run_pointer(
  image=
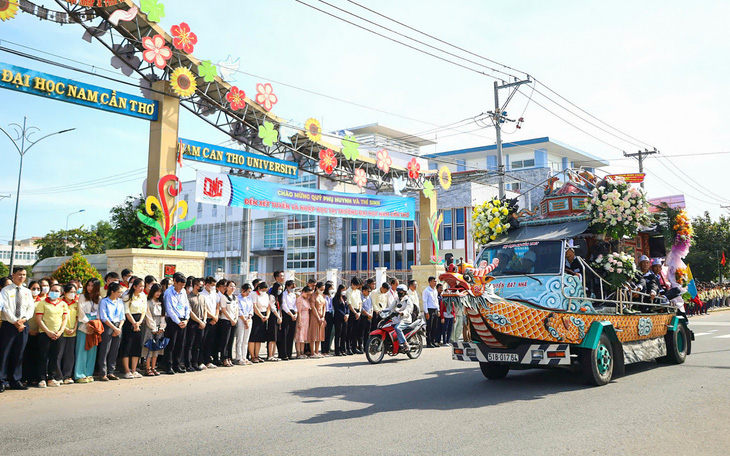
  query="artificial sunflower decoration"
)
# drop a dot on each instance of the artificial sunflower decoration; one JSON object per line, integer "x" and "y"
{"x": 313, "y": 129}
{"x": 445, "y": 177}
{"x": 8, "y": 9}
{"x": 183, "y": 82}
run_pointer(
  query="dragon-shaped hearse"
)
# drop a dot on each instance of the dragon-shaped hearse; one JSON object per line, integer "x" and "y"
{"x": 527, "y": 310}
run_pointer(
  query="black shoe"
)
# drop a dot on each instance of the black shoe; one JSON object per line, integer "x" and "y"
{"x": 197, "y": 368}
{"x": 169, "y": 372}
{"x": 358, "y": 351}
{"x": 349, "y": 353}
{"x": 18, "y": 386}
{"x": 190, "y": 369}
{"x": 2, "y": 387}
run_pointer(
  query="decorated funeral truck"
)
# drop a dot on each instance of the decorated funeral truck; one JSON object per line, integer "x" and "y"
{"x": 559, "y": 286}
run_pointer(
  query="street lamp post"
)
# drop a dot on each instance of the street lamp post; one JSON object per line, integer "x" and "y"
{"x": 23, "y": 135}
{"x": 65, "y": 245}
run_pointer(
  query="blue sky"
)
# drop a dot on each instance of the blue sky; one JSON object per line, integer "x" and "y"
{"x": 655, "y": 69}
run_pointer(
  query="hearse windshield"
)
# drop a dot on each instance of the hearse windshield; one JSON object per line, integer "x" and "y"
{"x": 543, "y": 257}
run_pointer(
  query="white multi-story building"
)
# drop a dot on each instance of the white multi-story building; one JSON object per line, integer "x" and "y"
{"x": 26, "y": 252}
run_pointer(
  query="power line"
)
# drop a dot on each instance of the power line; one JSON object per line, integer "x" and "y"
{"x": 696, "y": 182}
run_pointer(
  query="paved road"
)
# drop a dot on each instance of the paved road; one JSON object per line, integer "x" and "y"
{"x": 428, "y": 406}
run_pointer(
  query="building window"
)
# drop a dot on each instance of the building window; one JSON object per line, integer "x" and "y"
{"x": 386, "y": 259}
{"x": 301, "y": 241}
{"x": 200, "y": 209}
{"x": 398, "y": 260}
{"x": 386, "y": 232}
{"x": 433, "y": 165}
{"x": 459, "y": 224}
{"x": 460, "y": 165}
{"x": 409, "y": 231}
{"x": 523, "y": 163}
{"x": 410, "y": 259}
{"x": 514, "y": 186}
{"x": 214, "y": 212}
{"x": 398, "y": 232}
{"x": 376, "y": 260}
{"x": 353, "y": 261}
{"x": 376, "y": 237}
{"x": 273, "y": 234}
{"x": 363, "y": 261}
{"x": 447, "y": 227}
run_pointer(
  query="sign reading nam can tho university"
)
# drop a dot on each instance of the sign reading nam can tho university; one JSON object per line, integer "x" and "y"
{"x": 62, "y": 89}
{"x": 232, "y": 158}
{"x": 228, "y": 190}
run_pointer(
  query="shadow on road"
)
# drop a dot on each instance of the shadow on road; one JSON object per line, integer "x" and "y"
{"x": 442, "y": 390}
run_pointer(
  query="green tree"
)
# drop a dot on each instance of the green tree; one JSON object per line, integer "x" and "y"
{"x": 76, "y": 267}
{"x": 4, "y": 270}
{"x": 710, "y": 240}
{"x": 129, "y": 232}
{"x": 67, "y": 242}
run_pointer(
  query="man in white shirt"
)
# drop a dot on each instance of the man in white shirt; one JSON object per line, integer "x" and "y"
{"x": 353, "y": 299}
{"x": 404, "y": 318}
{"x": 430, "y": 311}
{"x": 211, "y": 329}
{"x": 288, "y": 325}
{"x": 18, "y": 306}
{"x": 413, "y": 294}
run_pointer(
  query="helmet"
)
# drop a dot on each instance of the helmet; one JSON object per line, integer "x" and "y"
{"x": 402, "y": 288}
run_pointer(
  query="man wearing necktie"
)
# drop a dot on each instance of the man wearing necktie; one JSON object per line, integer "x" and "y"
{"x": 18, "y": 307}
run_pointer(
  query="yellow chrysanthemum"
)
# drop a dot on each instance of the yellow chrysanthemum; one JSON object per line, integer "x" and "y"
{"x": 8, "y": 9}
{"x": 182, "y": 82}
{"x": 445, "y": 177}
{"x": 313, "y": 129}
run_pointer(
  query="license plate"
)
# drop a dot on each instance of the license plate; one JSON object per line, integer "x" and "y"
{"x": 503, "y": 357}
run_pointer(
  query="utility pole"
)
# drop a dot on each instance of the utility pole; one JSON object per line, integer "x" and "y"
{"x": 499, "y": 116}
{"x": 640, "y": 156}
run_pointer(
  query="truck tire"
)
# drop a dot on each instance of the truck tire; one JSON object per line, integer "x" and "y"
{"x": 597, "y": 364}
{"x": 677, "y": 345}
{"x": 494, "y": 371}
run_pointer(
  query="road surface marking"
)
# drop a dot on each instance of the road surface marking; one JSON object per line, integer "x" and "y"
{"x": 726, "y": 336}
{"x": 709, "y": 323}
{"x": 701, "y": 334}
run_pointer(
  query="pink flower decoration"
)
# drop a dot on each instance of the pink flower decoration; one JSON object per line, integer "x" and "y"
{"x": 327, "y": 160}
{"x": 237, "y": 98}
{"x": 266, "y": 97}
{"x": 156, "y": 240}
{"x": 413, "y": 168}
{"x": 360, "y": 178}
{"x": 156, "y": 51}
{"x": 175, "y": 241}
{"x": 384, "y": 160}
{"x": 183, "y": 38}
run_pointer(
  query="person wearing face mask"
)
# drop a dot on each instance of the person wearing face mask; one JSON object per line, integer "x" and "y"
{"x": 68, "y": 346}
{"x": 329, "y": 317}
{"x": 135, "y": 308}
{"x": 88, "y": 307}
{"x": 51, "y": 314}
{"x": 288, "y": 321}
{"x": 30, "y": 359}
{"x": 111, "y": 314}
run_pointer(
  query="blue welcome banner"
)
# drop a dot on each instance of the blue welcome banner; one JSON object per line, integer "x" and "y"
{"x": 62, "y": 89}
{"x": 232, "y": 158}
{"x": 237, "y": 191}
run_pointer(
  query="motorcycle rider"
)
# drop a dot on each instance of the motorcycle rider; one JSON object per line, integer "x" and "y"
{"x": 403, "y": 307}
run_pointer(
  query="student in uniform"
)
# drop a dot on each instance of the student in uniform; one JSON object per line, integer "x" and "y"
{"x": 30, "y": 359}
{"x": 68, "y": 350}
{"x": 273, "y": 323}
{"x": 367, "y": 315}
{"x": 211, "y": 322}
{"x": 154, "y": 328}
{"x": 228, "y": 310}
{"x": 301, "y": 336}
{"x": 177, "y": 313}
{"x": 317, "y": 305}
{"x": 18, "y": 307}
{"x": 111, "y": 314}
{"x": 135, "y": 309}
{"x": 196, "y": 328}
{"x": 329, "y": 318}
{"x": 353, "y": 297}
{"x": 51, "y": 314}
{"x": 243, "y": 326}
{"x": 289, "y": 317}
{"x": 109, "y": 278}
{"x": 88, "y": 308}
{"x": 261, "y": 314}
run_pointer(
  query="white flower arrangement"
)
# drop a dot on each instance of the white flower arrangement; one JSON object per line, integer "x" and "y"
{"x": 490, "y": 219}
{"x": 617, "y": 209}
{"x": 617, "y": 267}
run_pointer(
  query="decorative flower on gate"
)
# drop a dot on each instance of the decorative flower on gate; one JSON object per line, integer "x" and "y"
{"x": 445, "y": 177}
{"x": 327, "y": 160}
{"x": 156, "y": 51}
{"x": 166, "y": 227}
{"x": 268, "y": 134}
{"x": 154, "y": 9}
{"x": 8, "y": 9}
{"x": 350, "y": 148}
{"x": 360, "y": 178}
{"x": 384, "y": 161}
{"x": 413, "y": 168}
{"x": 207, "y": 71}
{"x": 265, "y": 96}
{"x": 428, "y": 189}
{"x": 183, "y": 38}
{"x": 313, "y": 130}
{"x": 237, "y": 98}
{"x": 183, "y": 82}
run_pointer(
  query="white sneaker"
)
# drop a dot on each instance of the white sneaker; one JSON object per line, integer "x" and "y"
{"x": 211, "y": 366}
{"x": 42, "y": 384}
{"x": 202, "y": 366}
{"x": 128, "y": 376}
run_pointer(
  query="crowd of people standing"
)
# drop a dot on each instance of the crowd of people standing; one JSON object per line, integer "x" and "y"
{"x": 128, "y": 327}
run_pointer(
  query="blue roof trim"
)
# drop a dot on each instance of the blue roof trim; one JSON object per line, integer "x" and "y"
{"x": 526, "y": 142}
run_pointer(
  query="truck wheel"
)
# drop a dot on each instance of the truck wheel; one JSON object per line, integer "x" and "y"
{"x": 677, "y": 345}
{"x": 494, "y": 371}
{"x": 597, "y": 364}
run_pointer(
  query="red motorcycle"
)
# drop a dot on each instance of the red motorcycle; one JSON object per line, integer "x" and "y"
{"x": 385, "y": 340}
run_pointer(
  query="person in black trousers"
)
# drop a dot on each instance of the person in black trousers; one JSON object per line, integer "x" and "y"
{"x": 195, "y": 329}
{"x": 353, "y": 299}
{"x": 19, "y": 308}
{"x": 210, "y": 296}
{"x": 285, "y": 340}
{"x": 342, "y": 313}
{"x": 329, "y": 318}
{"x": 177, "y": 313}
